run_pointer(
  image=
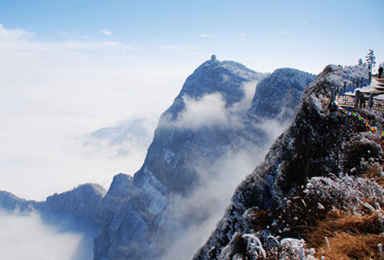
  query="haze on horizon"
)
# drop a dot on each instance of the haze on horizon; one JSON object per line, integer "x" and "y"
{"x": 71, "y": 68}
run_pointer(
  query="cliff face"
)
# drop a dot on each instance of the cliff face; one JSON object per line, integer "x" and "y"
{"x": 139, "y": 219}
{"x": 206, "y": 121}
{"x": 305, "y": 174}
{"x": 278, "y": 95}
{"x": 276, "y": 99}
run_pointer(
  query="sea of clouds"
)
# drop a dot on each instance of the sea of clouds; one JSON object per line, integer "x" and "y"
{"x": 74, "y": 112}
{"x": 71, "y": 112}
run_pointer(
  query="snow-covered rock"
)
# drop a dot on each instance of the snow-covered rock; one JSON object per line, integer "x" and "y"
{"x": 10, "y": 202}
{"x": 278, "y": 95}
{"x": 80, "y": 202}
{"x": 304, "y": 175}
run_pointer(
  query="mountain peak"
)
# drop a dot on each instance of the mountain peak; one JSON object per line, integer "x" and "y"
{"x": 283, "y": 89}
{"x": 226, "y": 78}
{"x": 201, "y": 130}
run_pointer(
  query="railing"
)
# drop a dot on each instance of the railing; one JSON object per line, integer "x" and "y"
{"x": 349, "y": 101}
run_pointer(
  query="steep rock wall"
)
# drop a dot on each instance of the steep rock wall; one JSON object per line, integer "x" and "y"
{"x": 319, "y": 142}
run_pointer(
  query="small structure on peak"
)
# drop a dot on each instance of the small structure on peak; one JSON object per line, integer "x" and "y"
{"x": 213, "y": 57}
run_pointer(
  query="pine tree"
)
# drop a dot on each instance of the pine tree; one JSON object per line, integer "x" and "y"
{"x": 360, "y": 62}
{"x": 370, "y": 58}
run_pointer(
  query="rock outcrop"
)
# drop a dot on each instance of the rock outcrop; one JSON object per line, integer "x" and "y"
{"x": 81, "y": 202}
{"x": 313, "y": 167}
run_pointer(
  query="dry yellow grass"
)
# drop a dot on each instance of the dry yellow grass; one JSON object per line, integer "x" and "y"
{"x": 350, "y": 236}
{"x": 375, "y": 175}
{"x": 347, "y": 246}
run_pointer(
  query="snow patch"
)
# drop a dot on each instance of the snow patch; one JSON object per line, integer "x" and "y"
{"x": 168, "y": 155}
{"x": 158, "y": 203}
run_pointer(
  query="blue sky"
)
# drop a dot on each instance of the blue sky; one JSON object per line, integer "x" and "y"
{"x": 70, "y": 68}
{"x": 263, "y": 35}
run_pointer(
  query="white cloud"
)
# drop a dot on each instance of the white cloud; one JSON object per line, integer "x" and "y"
{"x": 245, "y": 34}
{"x": 287, "y": 33}
{"x": 106, "y": 32}
{"x": 13, "y": 34}
{"x": 206, "y": 35}
{"x": 125, "y": 139}
{"x": 25, "y": 236}
{"x": 208, "y": 111}
{"x": 304, "y": 22}
{"x": 111, "y": 43}
{"x": 52, "y": 94}
{"x": 210, "y": 199}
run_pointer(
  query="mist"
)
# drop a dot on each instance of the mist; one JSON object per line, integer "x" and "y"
{"x": 206, "y": 206}
{"x": 55, "y": 95}
{"x": 44, "y": 236}
{"x": 76, "y": 112}
{"x": 211, "y": 199}
{"x": 210, "y": 110}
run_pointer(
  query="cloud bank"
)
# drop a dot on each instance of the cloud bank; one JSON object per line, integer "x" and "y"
{"x": 25, "y": 236}
{"x": 218, "y": 181}
{"x": 54, "y": 95}
{"x": 211, "y": 199}
{"x": 210, "y": 110}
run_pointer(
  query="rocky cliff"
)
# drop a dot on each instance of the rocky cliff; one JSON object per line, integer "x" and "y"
{"x": 80, "y": 202}
{"x": 142, "y": 218}
{"x": 316, "y": 170}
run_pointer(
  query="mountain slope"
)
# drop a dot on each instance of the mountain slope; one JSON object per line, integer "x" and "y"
{"x": 196, "y": 132}
{"x": 291, "y": 189}
{"x": 276, "y": 98}
{"x": 278, "y": 95}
